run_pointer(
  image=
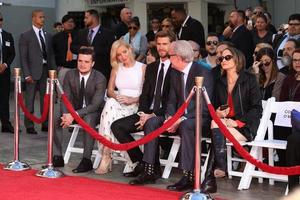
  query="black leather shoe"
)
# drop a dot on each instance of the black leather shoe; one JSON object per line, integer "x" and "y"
{"x": 31, "y": 131}
{"x": 183, "y": 184}
{"x": 85, "y": 165}
{"x": 144, "y": 178}
{"x": 7, "y": 128}
{"x": 44, "y": 129}
{"x": 58, "y": 161}
{"x": 209, "y": 185}
{"x": 137, "y": 170}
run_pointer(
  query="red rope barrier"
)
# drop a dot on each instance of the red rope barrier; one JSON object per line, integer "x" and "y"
{"x": 246, "y": 155}
{"x": 125, "y": 146}
{"x": 29, "y": 115}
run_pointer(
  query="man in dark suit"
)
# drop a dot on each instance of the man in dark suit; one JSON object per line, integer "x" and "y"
{"x": 122, "y": 28}
{"x": 7, "y": 55}
{"x": 182, "y": 81}
{"x": 85, "y": 88}
{"x": 36, "y": 56}
{"x": 98, "y": 37}
{"x": 187, "y": 28}
{"x": 64, "y": 58}
{"x": 241, "y": 36}
{"x": 152, "y": 103}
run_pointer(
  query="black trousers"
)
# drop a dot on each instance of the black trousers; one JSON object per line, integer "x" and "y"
{"x": 4, "y": 100}
{"x": 293, "y": 157}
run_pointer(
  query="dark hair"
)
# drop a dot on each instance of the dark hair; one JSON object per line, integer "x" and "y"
{"x": 56, "y": 24}
{"x": 171, "y": 35}
{"x": 179, "y": 10}
{"x": 136, "y": 21}
{"x": 212, "y": 34}
{"x": 154, "y": 52}
{"x": 295, "y": 16}
{"x": 238, "y": 58}
{"x": 87, "y": 51}
{"x": 94, "y": 13}
{"x": 227, "y": 43}
{"x": 266, "y": 51}
{"x": 296, "y": 42}
{"x": 65, "y": 18}
{"x": 241, "y": 14}
{"x": 263, "y": 17}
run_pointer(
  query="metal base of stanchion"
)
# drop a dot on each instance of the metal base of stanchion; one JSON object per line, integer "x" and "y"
{"x": 17, "y": 166}
{"x": 50, "y": 172}
{"x": 196, "y": 195}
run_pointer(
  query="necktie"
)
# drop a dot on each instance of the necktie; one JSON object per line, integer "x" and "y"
{"x": 43, "y": 45}
{"x": 81, "y": 92}
{"x": 1, "y": 61}
{"x": 90, "y": 37}
{"x": 69, "y": 53}
{"x": 157, "y": 97}
{"x": 182, "y": 86}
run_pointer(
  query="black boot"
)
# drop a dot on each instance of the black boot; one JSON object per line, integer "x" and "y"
{"x": 149, "y": 175}
{"x": 219, "y": 149}
{"x": 185, "y": 183}
{"x": 209, "y": 184}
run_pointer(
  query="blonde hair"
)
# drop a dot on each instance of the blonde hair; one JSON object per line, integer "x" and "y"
{"x": 113, "y": 52}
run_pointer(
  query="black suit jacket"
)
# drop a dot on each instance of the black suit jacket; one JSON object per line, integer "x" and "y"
{"x": 147, "y": 96}
{"x": 242, "y": 39}
{"x": 8, "y": 50}
{"x": 175, "y": 99}
{"x": 102, "y": 44}
{"x": 193, "y": 30}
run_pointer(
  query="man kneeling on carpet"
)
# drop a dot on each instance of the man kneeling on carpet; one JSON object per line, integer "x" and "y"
{"x": 85, "y": 88}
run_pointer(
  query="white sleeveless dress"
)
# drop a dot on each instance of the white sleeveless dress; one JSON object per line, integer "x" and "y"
{"x": 129, "y": 82}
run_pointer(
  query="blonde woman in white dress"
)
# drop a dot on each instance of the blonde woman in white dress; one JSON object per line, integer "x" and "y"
{"x": 124, "y": 89}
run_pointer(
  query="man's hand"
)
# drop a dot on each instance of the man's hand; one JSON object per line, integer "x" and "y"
{"x": 29, "y": 79}
{"x": 174, "y": 127}
{"x": 2, "y": 68}
{"x": 122, "y": 99}
{"x": 143, "y": 119}
{"x": 66, "y": 120}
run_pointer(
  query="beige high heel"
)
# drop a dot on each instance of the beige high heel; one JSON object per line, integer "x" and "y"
{"x": 106, "y": 162}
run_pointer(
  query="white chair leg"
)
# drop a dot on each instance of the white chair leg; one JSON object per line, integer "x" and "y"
{"x": 71, "y": 144}
{"x": 229, "y": 161}
{"x": 204, "y": 167}
{"x": 171, "y": 158}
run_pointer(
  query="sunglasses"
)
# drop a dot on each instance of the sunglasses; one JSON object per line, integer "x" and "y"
{"x": 212, "y": 43}
{"x": 227, "y": 58}
{"x": 133, "y": 28}
{"x": 255, "y": 53}
{"x": 265, "y": 64}
{"x": 257, "y": 12}
{"x": 165, "y": 26}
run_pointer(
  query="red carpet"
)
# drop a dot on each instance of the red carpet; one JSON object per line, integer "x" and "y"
{"x": 26, "y": 186}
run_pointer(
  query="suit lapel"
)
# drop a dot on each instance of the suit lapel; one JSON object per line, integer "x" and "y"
{"x": 190, "y": 79}
{"x": 97, "y": 36}
{"x": 167, "y": 79}
{"x": 77, "y": 82}
{"x": 155, "y": 72}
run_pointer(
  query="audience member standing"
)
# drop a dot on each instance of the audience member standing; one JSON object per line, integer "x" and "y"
{"x": 155, "y": 26}
{"x": 36, "y": 56}
{"x": 260, "y": 33}
{"x": 98, "y": 37}
{"x": 212, "y": 41}
{"x": 187, "y": 28}
{"x": 64, "y": 58}
{"x": 280, "y": 39}
{"x": 241, "y": 36}
{"x": 122, "y": 27}
{"x": 7, "y": 55}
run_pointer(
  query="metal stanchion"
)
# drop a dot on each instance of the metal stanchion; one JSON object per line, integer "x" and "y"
{"x": 196, "y": 193}
{"x": 17, "y": 165}
{"x": 50, "y": 171}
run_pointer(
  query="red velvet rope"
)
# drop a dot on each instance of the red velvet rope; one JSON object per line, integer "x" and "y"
{"x": 29, "y": 115}
{"x": 125, "y": 146}
{"x": 246, "y": 155}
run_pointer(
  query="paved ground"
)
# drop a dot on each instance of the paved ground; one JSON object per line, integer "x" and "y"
{"x": 33, "y": 150}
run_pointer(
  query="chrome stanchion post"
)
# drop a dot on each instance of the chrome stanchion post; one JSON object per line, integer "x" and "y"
{"x": 17, "y": 165}
{"x": 50, "y": 171}
{"x": 196, "y": 193}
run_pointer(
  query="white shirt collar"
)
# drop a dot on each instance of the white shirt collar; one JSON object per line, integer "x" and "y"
{"x": 236, "y": 28}
{"x": 86, "y": 77}
{"x": 183, "y": 24}
{"x": 166, "y": 63}
{"x": 36, "y": 29}
{"x": 186, "y": 70}
{"x": 96, "y": 28}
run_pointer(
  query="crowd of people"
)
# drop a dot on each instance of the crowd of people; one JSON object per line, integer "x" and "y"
{"x": 127, "y": 82}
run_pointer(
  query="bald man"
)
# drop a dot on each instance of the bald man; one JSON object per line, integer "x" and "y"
{"x": 122, "y": 27}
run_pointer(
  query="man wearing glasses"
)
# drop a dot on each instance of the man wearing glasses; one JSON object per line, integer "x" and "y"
{"x": 292, "y": 33}
{"x": 7, "y": 55}
{"x": 212, "y": 41}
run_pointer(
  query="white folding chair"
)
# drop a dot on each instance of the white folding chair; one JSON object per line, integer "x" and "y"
{"x": 259, "y": 143}
{"x": 72, "y": 149}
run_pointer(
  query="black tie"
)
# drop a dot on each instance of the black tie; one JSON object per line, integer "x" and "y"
{"x": 157, "y": 98}
{"x": 90, "y": 37}
{"x": 43, "y": 45}
{"x": 82, "y": 92}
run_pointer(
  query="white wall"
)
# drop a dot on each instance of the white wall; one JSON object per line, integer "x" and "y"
{"x": 32, "y": 3}
{"x": 63, "y": 6}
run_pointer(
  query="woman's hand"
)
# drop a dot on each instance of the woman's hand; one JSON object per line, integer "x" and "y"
{"x": 255, "y": 67}
{"x": 126, "y": 100}
{"x": 230, "y": 123}
{"x": 222, "y": 113}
